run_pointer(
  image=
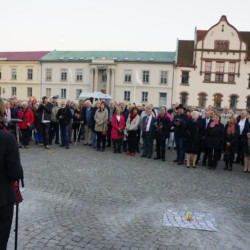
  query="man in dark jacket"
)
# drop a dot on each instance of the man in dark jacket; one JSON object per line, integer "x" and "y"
{"x": 163, "y": 125}
{"x": 10, "y": 170}
{"x": 148, "y": 132}
{"x": 64, "y": 116}
{"x": 45, "y": 110}
{"x": 111, "y": 111}
{"x": 180, "y": 122}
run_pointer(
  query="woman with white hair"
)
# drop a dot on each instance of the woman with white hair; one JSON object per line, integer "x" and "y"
{"x": 194, "y": 133}
{"x": 27, "y": 116}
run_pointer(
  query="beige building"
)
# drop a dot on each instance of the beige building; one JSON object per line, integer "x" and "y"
{"x": 118, "y": 73}
{"x": 20, "y": 74}
{"x": 214, "y": 68}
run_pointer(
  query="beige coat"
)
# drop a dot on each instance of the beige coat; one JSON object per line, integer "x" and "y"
{"x": 134, "y": 124}
{"x": 102, "y": 117}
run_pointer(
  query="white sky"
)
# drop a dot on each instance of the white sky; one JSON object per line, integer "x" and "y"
{"x": 144, "y": 25}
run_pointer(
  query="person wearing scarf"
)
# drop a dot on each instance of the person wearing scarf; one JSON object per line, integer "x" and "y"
{"x": 193, "y": 138}
{"x": 232, "y": 133}
{"x": 214, "y": 141}
{"x": 132, "y": 126}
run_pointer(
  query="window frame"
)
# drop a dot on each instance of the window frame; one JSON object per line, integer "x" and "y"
{"x": 204, "y": 99}
{"x": 128, "y": 77}
{"x": 63, "y": 95}
{"x": 127, "y": 95}
{"x": 29, "y": 74}
{"x": 64, "y": 74}
{"x": 217, "y": 95}
{"x": 223, "y": 45}
{"x": 104, "y": 75}
{"x": 79, "y": 77}
{"x": 29, "y": 88}
{"x": 48, "y": 90}
{"x": 0, "y": 73}
{"x": 183, "y": 77}
{"x": 13, "y": 93}
{"x": 13, "y": 76}
{"x": 80, "y": 91}
{"x": 235, "y": 102}
{"x": 47, "y": 74}
{"x": 186, "y": 98}
{"x": 144, "y": 97}
{"x": 162, "y": 77}
{"x": 145, "y": 78}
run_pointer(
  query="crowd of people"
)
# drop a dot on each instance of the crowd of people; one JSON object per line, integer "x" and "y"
{"x": 190, "y": 131}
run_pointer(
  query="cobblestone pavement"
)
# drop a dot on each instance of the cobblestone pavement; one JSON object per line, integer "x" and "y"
{"x": 83, "y": 199}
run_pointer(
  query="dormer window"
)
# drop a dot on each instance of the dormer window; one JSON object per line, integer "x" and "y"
{"x": 221, "y": 45}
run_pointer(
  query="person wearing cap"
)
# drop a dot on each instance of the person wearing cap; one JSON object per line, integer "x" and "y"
{"x": 54, "y": 124}
{"x": 163, "y": 125}
{"x": 180, "y": 122}
{"x": 101, "y": 118}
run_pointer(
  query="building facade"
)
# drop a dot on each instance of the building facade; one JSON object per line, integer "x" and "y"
{"x": 20, "y": 74}
{"x": 214, "y": 68}
{"x": 117, "y": 73}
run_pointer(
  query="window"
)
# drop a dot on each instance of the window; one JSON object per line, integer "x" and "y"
{"x": 221, "y": 45}
{"x": 217, "y": 100}
{"x": 249, "y": 81}
{"x": 145, "y": 76}
{"x": 64, "y": 74}
{"x": 208, "y": 66}
{"x": 48, "y": 75}
{"x": 202, "y": 100}
{"x": 248, "y": 102}
{"x": 144, "y": 97}
{"x": 233, "y": 102}
{"x": 29, "y": 92}
{"x": 183, "y": 99}
{"x": 220, "y": 67}
{"x": 79, "y": 74}
{"x": 185, "y": 77}
{"x": 48, "y": 92}
{"x": 30, "y": 74}
{"x": 231, "y": 68}
{"x": 219, "y": 77}
{"x": 164, "y": 77}
{"x": 231, "y": 78}
{"x": 13, "y": 74}
{"x": 127, "y": 96}
{"x": 0, "y": 74}
{"x": 207, "y": 77}
{"x": 128, "y": 74}
{"x": 104, "y": 76}
{"x": 63, "y": 93}
{"x": 78, "y": 93}
{"x": 13, "y": 91}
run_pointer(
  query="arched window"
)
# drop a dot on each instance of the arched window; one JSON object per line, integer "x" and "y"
{"x": 183, "y": 98}
{"x": 202, "y": 100}
{"x": 217, "y": 100}
{"x": 233, "y": 101}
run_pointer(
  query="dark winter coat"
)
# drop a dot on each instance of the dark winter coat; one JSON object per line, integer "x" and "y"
{"x": 215, "y": 137}
{"x": 193, "y": 138}
{"x": 37, "y": 120}
{"x": 163, "y": 133}
{"x": 47, "y": 111}
{"x": 125, "y": 114}
{"x": 179, "y": 131}
{"x": 66, "y": 116}
{"x": 233, "y": 139}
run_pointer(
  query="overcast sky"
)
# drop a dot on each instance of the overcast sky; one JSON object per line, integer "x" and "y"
{"x": 140, "y": 25}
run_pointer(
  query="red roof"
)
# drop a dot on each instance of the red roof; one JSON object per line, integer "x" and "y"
{"x": 201, "y": 34}
{"x": 23, "y": 56}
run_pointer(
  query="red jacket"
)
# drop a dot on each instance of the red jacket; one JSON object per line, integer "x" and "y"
{"x": 114, "y": 131}
{"x": 29, "y": 118}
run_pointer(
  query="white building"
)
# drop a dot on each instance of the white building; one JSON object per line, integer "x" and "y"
{"x": 214, "y": 68}
{"x": 68, "y": 73}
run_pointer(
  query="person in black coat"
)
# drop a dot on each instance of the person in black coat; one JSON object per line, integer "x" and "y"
{"x": 45, "y": 110}
{"x": 148, "y": 132}
{"x": 180, "y": 122}
{"x": 125, "y": 113}
{"x": 64, "y": 116}
{"x": 194, "y": 133}
{"x": 10, "y": 170}
{"x": 163, "y": 125}
{"x": 214, "y": 141}
{"x": 232, "y": 133}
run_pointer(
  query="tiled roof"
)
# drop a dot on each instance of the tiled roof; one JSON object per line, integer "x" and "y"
{"x": 185, "y": 52}
{"x": 124, "y": 56}
{"x": 23, "y": 55}
{"x": 201, "y": 34}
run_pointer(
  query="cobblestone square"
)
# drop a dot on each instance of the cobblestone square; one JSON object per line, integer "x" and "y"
{"x": 83, "y": 199}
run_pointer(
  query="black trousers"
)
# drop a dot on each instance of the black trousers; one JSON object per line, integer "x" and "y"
{"x": 76, "y": 131}
{"x": 148, "y": 144}
{"x": 100, "y": 139}
{"x": 54, "y": 131}
{"x": 204, "y": 160}
{"x": 230, "y": 160}
{"x": 45, "y": 133}
{"x": 117, "y": 145}
{"x": 109, "y": 134}
{"x": 213, "y": 157}
{"x": 132, "y": 141}
{"x": 25, "y": 137}
{"x": 161, "y": 147}
{"x": 240, "y": 155}
{"x": 6, "y": 215}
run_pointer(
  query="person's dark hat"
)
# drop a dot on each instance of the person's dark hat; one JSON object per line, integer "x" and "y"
{"x": 55, "y": 96}
{"x": 181, "y": 107}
